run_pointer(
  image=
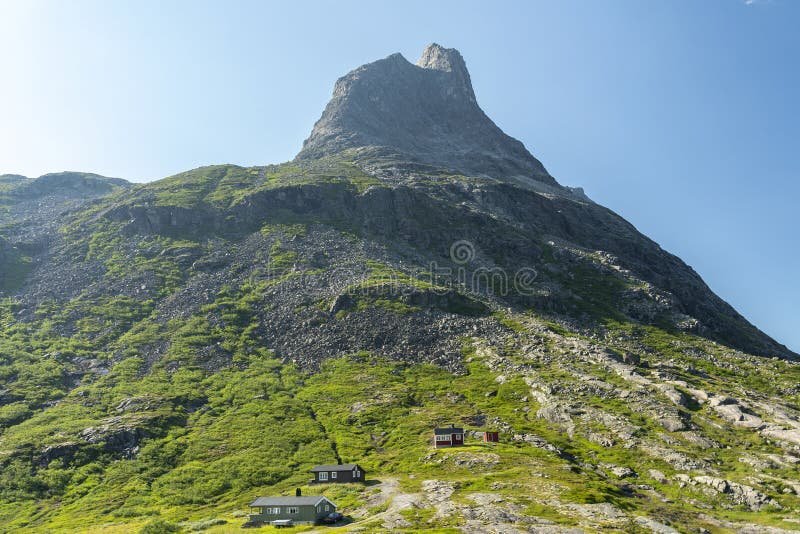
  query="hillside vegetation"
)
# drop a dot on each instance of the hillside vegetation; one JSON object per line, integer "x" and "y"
{"x": 174, "y": 350}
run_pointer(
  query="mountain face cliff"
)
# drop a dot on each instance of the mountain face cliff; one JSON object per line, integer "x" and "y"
{"x": 170, "y": 351}
{"x": 424, "y": 113}
{"x": 427, "y": 113}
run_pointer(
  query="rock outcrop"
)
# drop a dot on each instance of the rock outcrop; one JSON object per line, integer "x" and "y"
{"x": 425, "y": 114}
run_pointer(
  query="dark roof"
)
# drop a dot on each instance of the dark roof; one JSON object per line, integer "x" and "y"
{"x": 448, "y": 430}
{"x": 334, "y": 467}
{"x": 306, "y": 500}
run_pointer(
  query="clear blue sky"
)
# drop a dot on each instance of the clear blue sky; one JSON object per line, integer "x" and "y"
{"x": 682, "y": 116}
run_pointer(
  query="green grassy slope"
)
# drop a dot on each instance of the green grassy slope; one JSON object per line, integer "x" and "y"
{"x": 215, "y": 440}
{"x": 128, "y": 406}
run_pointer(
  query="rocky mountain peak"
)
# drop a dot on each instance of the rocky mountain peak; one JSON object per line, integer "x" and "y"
{"x": 437, "y": 57}
{"x": 448, "y": 60}
{"x": 421, "y": 114}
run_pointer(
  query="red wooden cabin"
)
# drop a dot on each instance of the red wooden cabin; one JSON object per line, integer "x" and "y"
{"x": 451, "y": 436}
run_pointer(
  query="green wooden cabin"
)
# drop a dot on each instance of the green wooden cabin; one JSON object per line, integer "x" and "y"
{"x": 299, "y": 510}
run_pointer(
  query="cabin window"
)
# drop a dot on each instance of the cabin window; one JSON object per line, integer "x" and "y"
{"x": 272, "y": 511}
{"x": 293, "y": 510}
{"x": 457, "y": 436}
{"x": 356, "y": 473}
{"x": 442, "y": 438}
{"x": 323, "y": 475}
{"x": 327, "y": 508}
{"x": 333, "y": 474}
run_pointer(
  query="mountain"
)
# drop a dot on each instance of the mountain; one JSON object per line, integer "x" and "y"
{"x": 427, "y": 113}
{"x": 424, "y": 113}
{"x": 170, "y": 351}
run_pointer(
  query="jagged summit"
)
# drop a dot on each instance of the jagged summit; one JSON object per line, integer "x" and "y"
{"x": 424, "y": 113}
{"x": 436, "y": 57}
